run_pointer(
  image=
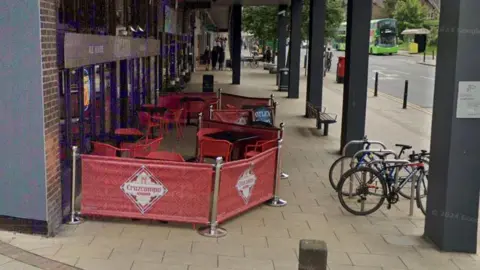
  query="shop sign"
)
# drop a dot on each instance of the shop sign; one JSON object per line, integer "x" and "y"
{"x": 245, "y": 184}
{"x": 263, "y": 114}
{"x": 143, "y": 189}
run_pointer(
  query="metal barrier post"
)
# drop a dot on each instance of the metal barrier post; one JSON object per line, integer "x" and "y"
{"x": 219, "y": 97}
{"x": 405, "y": 95}
{"x": 275, "y": 104}
{"x": 271, "y": 102}
{"x": 283, "y": 175}
{"x": 199, "y": 126}
{"x": 211, "y": 112}
{"x": 424, "y": 55}
{"x": 375, "y": 92}
{"x": 74, "y": 220}
{"x": 214, "y": 230}
{"x": 277, "y": 201}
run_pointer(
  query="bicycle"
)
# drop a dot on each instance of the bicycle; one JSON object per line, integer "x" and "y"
{"x": 363, "y": 160}
{"x": 387, "y": 180}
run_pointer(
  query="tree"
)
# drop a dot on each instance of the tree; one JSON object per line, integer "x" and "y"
{"x": 410, "y": 14}
{"x": 389, "y": 7}
{"x": 261, "y": 21}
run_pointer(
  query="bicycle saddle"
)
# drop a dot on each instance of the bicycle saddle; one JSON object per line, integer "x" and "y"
{"x": 381, "y": 155}
{"x": 404, "y": 146}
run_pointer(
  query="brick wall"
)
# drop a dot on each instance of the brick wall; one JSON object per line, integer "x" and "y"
{"x": 48, "y": 20}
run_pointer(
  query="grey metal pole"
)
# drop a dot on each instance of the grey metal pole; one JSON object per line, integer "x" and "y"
{"x": 211, "y": 112}
{"x": 277, "y": 201}
{"x": 272, "y": 100}
{"x": 375, "y": 92}
{"x": 214, "y": 230}
{"x": 219, "y": 96}
{"x": 74, "y": 220}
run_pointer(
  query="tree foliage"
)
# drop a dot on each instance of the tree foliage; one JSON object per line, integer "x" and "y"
{"x": 410, "y": 14}
{"x": 261, "y": 21}
{"x": 389, "y": 7}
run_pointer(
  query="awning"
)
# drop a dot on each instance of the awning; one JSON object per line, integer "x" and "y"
{"x": 419, "y": 31}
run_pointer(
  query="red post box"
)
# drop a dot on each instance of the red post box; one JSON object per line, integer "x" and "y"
{"x": 340, "y": 69}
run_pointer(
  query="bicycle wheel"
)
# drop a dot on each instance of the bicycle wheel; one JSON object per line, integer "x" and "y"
{"x": 405, "y": 191}
{"x": 335, "y": 172}
{"x": 422, "y": 192}
{"x": 356, "y": 184}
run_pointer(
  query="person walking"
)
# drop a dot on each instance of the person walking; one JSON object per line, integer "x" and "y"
{"x": 206, "y": 57}
{"x": 268, "y": 55}
{"x": 214, "y": 57}
{"x": 221, "y": 57}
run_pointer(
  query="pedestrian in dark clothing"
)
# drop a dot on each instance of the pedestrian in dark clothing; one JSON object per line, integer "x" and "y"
{"x": 221, "y": 57}
{"x": 206, "y": 57}
{"x": 268, "y": 55}
{"x": 214, "y": 57}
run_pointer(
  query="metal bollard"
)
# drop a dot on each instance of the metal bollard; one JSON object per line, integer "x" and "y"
{"x": 433, "y": 55}
{"x": 405, "y": 95}
{"x": 375, "y": 92}
{"x": 211, "y": 112}
{"x": 219, "y": 96}
{"x": 424, "y": 55}
{"x": 277, "y": 201}
{"x": 74, "y": 220}
{"x": 214, "y": 230}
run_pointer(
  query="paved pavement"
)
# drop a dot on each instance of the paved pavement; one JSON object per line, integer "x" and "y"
{"x": 267, "y": 238}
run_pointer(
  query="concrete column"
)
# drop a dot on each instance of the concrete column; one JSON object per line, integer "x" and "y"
{"x": 31, "y": 176}
{"x": 282, "y": 38}
{"x": 359, "y": 13}
{"x": 315, "y": 50}
{"x": 237, "y": 43}
{"x": 295, "y": 46}
{"x": 453, "y": 193}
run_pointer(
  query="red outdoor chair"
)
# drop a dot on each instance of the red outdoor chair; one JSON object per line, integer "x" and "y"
{"x": 145, "y": 121}
{"x": 172, "y": 117}
{"x": 258, "y": 147}
{"x": 210, "y": 148}
{"x": 107, "y": 150}
{"x": 145, "y": 147}
{"x": 194, "y": 108}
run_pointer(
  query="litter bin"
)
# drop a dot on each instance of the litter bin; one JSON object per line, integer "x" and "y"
{"x": 340, "y": 69}
{"x": 283, "y": 73}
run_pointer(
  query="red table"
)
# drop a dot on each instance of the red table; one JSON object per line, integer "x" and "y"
{"x": 128, "y": 132}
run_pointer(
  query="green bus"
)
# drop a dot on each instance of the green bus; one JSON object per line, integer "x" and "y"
{"x": 383, "y": 37}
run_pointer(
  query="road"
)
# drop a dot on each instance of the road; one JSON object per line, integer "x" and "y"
{"x": 392, "y": 73}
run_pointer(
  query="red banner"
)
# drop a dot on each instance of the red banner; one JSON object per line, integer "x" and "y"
{"x": 263, "y": 133}
{"x": 172, "y": 100}
{"x": 240, "y": 101}
{"x": 134, "y": 188}
{"x": 240, "y": 117}
{"x": 246, "y": 183}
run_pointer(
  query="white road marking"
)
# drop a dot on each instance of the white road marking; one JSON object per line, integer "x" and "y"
{"x": 428, "y": 78}
{"x": 378, "y": 67}
{"x": 398, "y": 71}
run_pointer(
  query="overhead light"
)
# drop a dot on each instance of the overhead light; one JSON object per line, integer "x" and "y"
{"x": 132, "y": 29}
{"x": 139, "y": 29}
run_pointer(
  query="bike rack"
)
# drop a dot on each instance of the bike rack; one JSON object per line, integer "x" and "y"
{"x": 350, "y": 188}
{"x": 356, "y": 142}
{"x": 413, "y": 184}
